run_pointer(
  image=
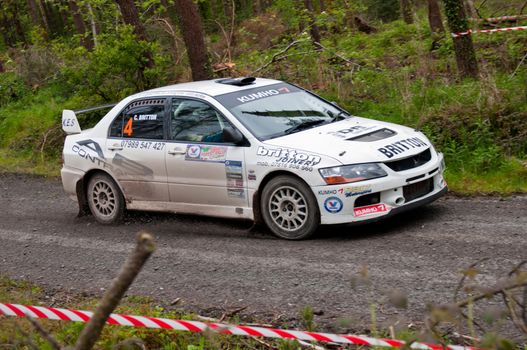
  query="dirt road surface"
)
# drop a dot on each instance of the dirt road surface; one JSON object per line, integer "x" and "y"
{"x": 215, "y": 264}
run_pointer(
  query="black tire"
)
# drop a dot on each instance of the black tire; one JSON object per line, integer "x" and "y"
{"x": 289, "y": 208}
{"x": 105, "y": 199}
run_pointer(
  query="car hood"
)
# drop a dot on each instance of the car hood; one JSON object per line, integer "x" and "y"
{"x": 356, "y": 140}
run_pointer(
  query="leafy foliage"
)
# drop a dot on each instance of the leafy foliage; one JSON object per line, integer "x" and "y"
{"x": 401, "y": 73}
{"x": 114, "y": 69}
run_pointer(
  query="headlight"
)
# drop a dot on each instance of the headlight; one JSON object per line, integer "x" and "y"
{"x": 351, "y": 173}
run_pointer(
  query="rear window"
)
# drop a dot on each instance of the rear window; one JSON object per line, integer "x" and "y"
{"x": 142, "y": 119}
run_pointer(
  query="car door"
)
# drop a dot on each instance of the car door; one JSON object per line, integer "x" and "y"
{"x": 201, "y": 168}
{"x": 136, "y": 148}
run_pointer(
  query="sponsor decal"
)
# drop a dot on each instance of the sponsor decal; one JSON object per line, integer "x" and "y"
{"x": 85, "y": 150}
{"x": 234, "y": 173}
{"x": 402, "y": 146}
{"x": 193, "y": 151}
{"x": 236, "y": 193}
{"x": 67, "y": 122}
{"x": 357, "y": 129}
{"x": 234, "y": 183}
{"x": 94, "y": 146}
{"x": 259, "y": 95}
{"x": 238, "y": 98}
{"x": 333, "y": 205}
{"x": 327, "y": 192}
{"x": 347, "y": 191}
{"x": 126, "y": 166}
{"x": 287, "y": 156}
{"x": 371, "y": 209}
{"x": 215, "y": 154}
{"x": 355, "y": 191}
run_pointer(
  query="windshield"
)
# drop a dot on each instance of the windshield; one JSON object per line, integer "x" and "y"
{"x": 280, "y": 109}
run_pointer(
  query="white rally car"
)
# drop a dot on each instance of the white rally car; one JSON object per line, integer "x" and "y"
{"x": 256, "y": 149}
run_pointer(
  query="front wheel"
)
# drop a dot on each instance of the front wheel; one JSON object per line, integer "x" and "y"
{"x": 105, "y": 199}
{"x": 289, "y": 208}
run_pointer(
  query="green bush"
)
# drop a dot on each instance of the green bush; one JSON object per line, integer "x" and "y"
{"x": 116, "y": 68}
{"x": 12, "y": 88}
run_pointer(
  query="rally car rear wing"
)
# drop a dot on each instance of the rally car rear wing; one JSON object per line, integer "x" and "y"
{"x": 71, "y": 125}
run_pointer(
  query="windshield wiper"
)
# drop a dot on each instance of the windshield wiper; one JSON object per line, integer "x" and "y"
{"x": 340, "y": 116}
{"x": 304, "y": 125}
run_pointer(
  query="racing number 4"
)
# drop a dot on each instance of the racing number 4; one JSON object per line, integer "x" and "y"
{"x": 128, "y": 128}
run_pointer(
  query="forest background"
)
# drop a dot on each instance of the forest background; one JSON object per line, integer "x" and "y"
{"x": 392, "y": 60}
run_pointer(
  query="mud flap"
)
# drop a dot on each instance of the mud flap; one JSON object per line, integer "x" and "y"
{"x": 84, "y": 209}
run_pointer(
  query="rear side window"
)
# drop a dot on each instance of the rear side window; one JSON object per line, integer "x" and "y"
{"x": 142, "y": 119}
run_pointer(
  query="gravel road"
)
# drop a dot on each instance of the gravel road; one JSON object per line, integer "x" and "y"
{"x": 214, "y": 264}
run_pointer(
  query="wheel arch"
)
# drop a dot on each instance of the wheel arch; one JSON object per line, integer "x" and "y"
{"x": 82, "y": 186}
{"x": 257, "y": 210}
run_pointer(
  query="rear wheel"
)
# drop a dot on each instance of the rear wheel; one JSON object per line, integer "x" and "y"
{"x": 289, "y": 208}
{"x": 105, "y": 199}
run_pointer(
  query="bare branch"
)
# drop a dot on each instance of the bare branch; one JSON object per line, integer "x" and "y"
{"x": 523, "y": 7}
{"x": 517, "y": 268}
{"x": 499, "y": 19}
{"x": 276, "y": 57}
{"x": 506, "y": 298}
{"x": 144, "y": 248}
{"x": 47, "y": 337}
{"x": 462, "y": 280}
{"x": 232, "y": 313}
{"x": 494, "y": 291}
{"x": 524, "y": 306}
{"x": 27, "y": 339}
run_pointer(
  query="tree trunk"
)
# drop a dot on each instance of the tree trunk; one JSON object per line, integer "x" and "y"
{"x": 4, "y": 28}
{"x": 94, "y": 28}
{"x": 322, "y": 5}
{"x": 470, "y": 9}
{"x": 43, "y": 17}
{"x": 434, "y": 17}
{"x": 34, "y": 12}
{"x": 18, "y": 25}
{"x": 79, "y": 25}
{"x": 257, "y": 7}
{"x": 193, "y": 35}
{"x": 313, "y": 30}
{"x": 406, "y": 11}
{"x": 131, "y": 17}
{"x": 53, "y": 19}
{"x": 463, "y": 46}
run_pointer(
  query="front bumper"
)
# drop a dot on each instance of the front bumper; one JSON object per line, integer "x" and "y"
{"x": 372, "y": 200}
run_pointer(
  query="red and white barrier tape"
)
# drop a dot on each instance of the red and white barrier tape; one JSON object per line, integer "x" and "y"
{"x": 196, "y": 326}
{"x": 497, "y": 30}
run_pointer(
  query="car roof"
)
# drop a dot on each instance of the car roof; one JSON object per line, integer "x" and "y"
{"x": 208, "y": 87}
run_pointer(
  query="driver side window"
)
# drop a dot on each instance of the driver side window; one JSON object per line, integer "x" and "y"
{"x": 196, "y": 121}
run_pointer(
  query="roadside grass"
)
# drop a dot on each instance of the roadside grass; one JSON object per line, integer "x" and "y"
{"x": 18, "y": 332}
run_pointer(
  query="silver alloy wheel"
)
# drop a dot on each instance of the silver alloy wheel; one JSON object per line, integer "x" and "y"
{"x": 288, "y": 208}
{"x": 103, "y": 198}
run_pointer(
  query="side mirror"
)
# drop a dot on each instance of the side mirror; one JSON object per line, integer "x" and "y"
{"x": 232, "y": 135}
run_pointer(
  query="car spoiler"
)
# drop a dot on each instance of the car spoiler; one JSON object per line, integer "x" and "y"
{"x": 71, "y": 125}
